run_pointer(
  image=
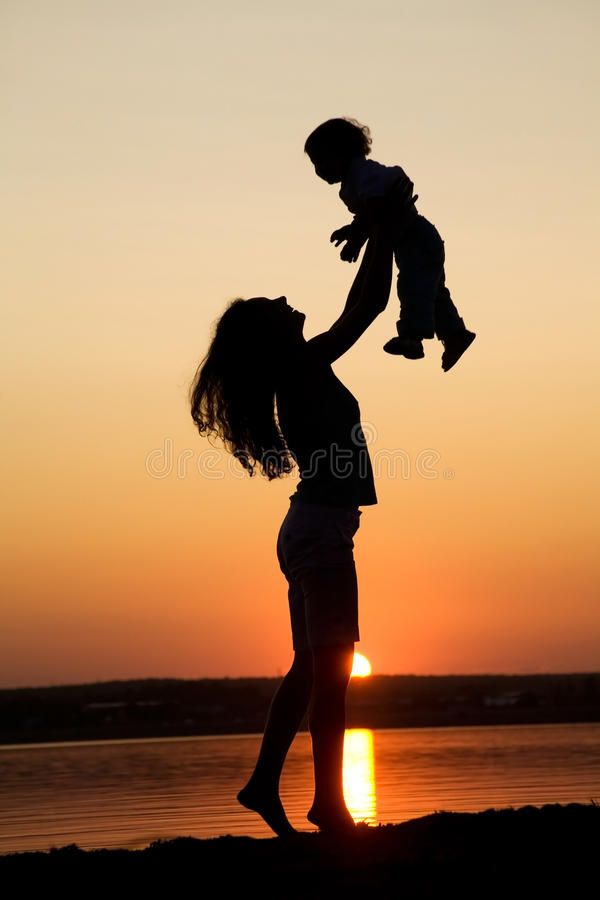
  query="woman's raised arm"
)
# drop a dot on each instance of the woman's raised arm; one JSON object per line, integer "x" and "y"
{"x": 368, "y": 298}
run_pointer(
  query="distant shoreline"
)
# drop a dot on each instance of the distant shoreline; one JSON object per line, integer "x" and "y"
{"x": 79, "y": 739}
{"x": 155, "y": 708}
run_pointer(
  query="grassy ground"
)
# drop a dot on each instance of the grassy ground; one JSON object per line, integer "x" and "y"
{"x": 531, "y": 852}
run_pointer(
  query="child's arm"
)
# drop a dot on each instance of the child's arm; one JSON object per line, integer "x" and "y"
{"x": 355, "y": 234}
{"x": 375, "y": 210}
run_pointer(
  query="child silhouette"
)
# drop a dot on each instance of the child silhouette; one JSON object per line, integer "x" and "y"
{"x": 371, "y": 191}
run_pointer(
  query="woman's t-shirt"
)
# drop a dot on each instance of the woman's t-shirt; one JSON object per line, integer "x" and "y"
{"x": 320, "y": 421}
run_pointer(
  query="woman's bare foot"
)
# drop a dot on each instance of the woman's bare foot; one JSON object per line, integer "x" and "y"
{"x": 268, "y": 806}
{"x": 331, "y": 820}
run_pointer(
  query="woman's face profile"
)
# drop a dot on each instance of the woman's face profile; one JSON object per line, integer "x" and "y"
{"x": 282, "y": 316}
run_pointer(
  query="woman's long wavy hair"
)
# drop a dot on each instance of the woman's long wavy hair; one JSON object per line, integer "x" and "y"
{"x": 232, "y": 394}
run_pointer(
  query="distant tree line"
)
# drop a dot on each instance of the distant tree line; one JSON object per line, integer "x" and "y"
{"x": 169, "y": 707}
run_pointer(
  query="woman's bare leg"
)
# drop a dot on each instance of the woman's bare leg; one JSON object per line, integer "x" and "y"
{"x": 327, "y": 723}
{"x": 288, "y": 708}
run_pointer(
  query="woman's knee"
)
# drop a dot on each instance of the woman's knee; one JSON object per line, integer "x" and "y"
{"x": 302, "y": 666}
{"x": 332, "y": 664}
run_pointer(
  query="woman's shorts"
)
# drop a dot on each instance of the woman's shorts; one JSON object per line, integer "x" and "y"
{"x": 315, "y": 552}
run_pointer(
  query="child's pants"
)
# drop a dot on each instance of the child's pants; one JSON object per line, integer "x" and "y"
{"x": 426, "y": 308}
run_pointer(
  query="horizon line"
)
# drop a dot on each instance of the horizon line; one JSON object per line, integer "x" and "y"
{"x": 549, "y": 674}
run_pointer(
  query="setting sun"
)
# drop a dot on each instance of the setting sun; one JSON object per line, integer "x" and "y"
{"x": 361, "y": 667}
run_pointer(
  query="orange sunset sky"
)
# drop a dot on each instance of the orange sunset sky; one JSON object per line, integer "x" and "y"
{"x": 153, "y": 169}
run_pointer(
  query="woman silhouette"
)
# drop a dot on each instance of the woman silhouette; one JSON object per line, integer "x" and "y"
{"x": 271, "y": 396}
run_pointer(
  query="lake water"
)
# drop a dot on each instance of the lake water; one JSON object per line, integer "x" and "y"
{"x": 129, "y": 793}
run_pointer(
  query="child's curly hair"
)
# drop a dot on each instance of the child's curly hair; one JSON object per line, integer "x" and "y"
{"x": 343, "y": 137}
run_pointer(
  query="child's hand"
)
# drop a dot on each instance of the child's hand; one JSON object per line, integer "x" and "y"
{"x": 351, "y": 251}
{"x": 342, "y": 234}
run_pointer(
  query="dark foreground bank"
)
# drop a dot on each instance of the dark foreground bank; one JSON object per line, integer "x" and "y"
{"x": 532, "y": 852}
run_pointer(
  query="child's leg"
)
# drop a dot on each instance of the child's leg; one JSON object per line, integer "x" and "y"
{"x": 426, "y": 307}
{"x": 420, "y": 266}
{"x": 450, "y": 329}
{"x": 447, "y": 319}
{"x": 419, "y": 274}
{"x": 417, "y": 285}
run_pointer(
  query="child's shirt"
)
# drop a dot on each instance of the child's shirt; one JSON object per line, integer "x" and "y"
{"x": 367, "y": 180}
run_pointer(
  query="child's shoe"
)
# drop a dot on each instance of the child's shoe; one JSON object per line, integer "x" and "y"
{"x": 410, "y": 347}
{"x": 454, "y": 347}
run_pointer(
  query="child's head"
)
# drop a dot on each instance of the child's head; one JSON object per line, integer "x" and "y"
{"x": 334, "y": 144}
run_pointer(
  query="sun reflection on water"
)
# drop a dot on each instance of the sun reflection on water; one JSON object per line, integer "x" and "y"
{"x": 359, "y": 775}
